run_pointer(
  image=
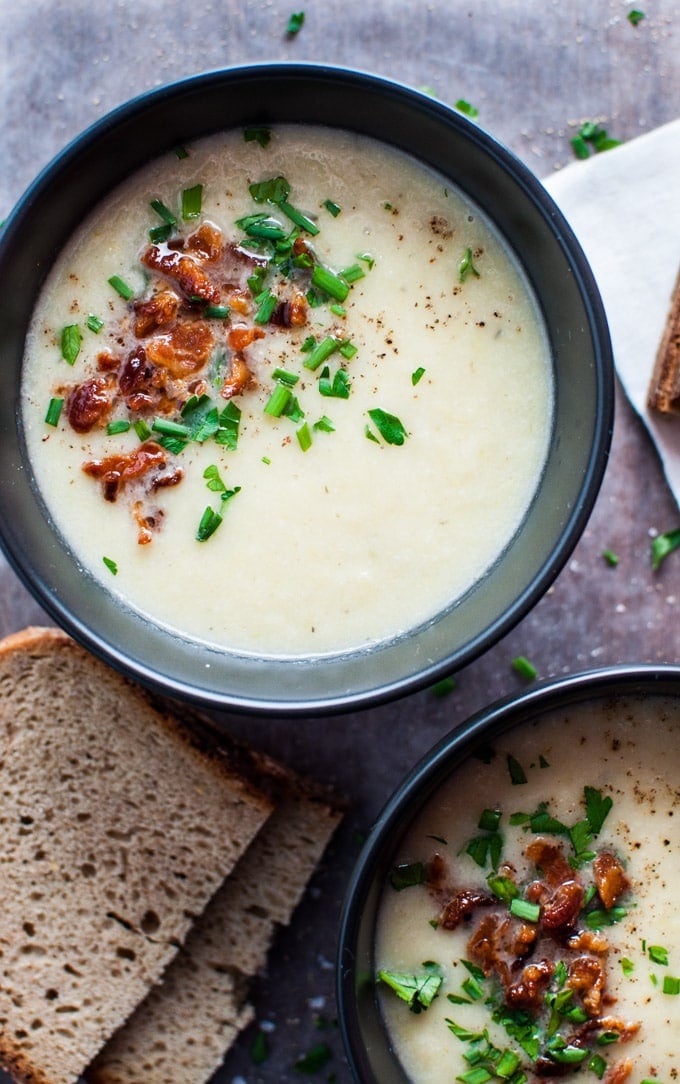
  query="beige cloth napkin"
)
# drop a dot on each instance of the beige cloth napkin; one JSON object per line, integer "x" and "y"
{"x": 624, "y": 206}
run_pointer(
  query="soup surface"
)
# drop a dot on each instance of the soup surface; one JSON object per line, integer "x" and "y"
{"x": 538, "y": 934}
{"x": 298, "y": 392}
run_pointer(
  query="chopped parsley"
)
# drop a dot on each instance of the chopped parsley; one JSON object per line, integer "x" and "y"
{"x": 592, "y": 137}
{"x": 418, "y": 991}
{"x": 465, "y": 107}
{"x": 662, "y": 545}
{"x": 70, "y": 342}
{"x": 295, "y": 23}
{"x": 390, "y": 427}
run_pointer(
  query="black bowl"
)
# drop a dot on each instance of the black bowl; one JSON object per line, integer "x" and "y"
{"x": 367, "y": 1044}
{"x": 522, "y": 211}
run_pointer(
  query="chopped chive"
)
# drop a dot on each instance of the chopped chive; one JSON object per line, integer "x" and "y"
{"x": 257, "y": 134}
{"x": 304, "y": 437}
{"x": 332, "y": 208}
{"x": 389, "y": 426}
{"x": 295, "y": 23}
{"x": 502, "y": 887}
{"x": 478, "y": 1075}
{"x": 321, "y": 352}
{"x": 338, "y": 310}
{"x": 70, "y": 343}
{"x": 348, "y": 350}
{"x": 658, "y": 954}
{"x": 308, "y": 344}
{"x": 367, "y": 259}
{"x": 662, "y": 545}
{"x": 208, "y": 524}
{"x": 597, "y": 1065}
{"x": 170, "y": 429}
{"x": 192, "y": 200}
{"x": 111, "y": 565}
{"x": 324, "y": 424}
{"x": 627, "y": 966}
{"x": 417, "y": 375}
{"x": 353, "y": 273}
{"x": 285, "y": 377}
{"x": 338, "y": 387}
{"x": 119, "y": 426}
{"x": 466, "y": 266}
{"x": 181, "y": 152}
{"x": 444, "y": 686}
{"x": 216, "y": 312}
{"x": 159, "y": 234}
{"x": 635, "y": 16}
{"x": 278, "y": 401}
{"x": 406, "y": 875}
{"x": 94, "y": 323}
{"x": 259, "y": 1049}
{"x": 142, "y": 429}
{"x": 464, "y": 107}
{"x": 266, "y": 460}
{"x": 164, "y": 212}
{"x": 370, "y": 435}
{"x": 524, "y": 668}
{"x": 610, "y": 558}
{"x": 329, "y": 282}
{"x": 298, "y": 218}
{"x": 121, "y": 287}
{"x": 54, "y": 411}
{"x": 671, "y": 985}
{"x": 266, "y": 302}
{"x": 529, "y": 912}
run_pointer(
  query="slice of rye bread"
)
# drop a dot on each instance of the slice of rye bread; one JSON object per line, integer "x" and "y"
{"x": 664, "y": 387}
{"x": 186, "y": 1025}
{"x": 117, "y": 828}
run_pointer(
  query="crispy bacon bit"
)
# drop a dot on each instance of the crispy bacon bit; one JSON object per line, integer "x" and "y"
{"x": 593, "y": 941}
{"x": 206, "y": 242}
{"x": 291, "y": 313}
{"x": 239, "y": 378}
{"x": 115, "y": 471}
{"x": 106, "y": 362}
{"x": 136, "y": 374}
{"x": 239, "y": 301}
{"x": 156, "y": 312}
{"x": 610, "y": 878}
{"x": 499, "y": 942}
{"x": 182, "y": 350}
{"x": 185, "y": 271}
{"x": 526, "y": 992}
{"x": 561, "y": 893}
{"x": 618, "y": 1073}
{"x": 146, "y": 523}
{"x": 89, "y": 404}
{"x": 242, "y": 336}
{"x": 586, "y": 978}
{"x": 460, "y": 907}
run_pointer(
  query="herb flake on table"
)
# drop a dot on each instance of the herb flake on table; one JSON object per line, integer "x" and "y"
{"x": 465, "y": 107}
{"x": 662, "y": 545}
{"x": 295, "y": 23}
{"x": 635, "y": 16}
{"x": 591, "y": 136}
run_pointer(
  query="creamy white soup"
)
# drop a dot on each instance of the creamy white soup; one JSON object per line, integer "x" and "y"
{"x": 531, "y": 929}
{"x": 287, "y": 392}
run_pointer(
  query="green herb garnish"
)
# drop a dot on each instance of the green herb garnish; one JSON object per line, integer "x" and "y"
{"x": 528, "y": 912}
{"x": 54, "y": 410}
{"x": 332, "y": 208}
{"x": 121, "y": 287}
{"x": 524, "y": 668}
{"x": 464, "y": 107}
{"x": 662, "y": 545}
{"x": 658, "y": 955}
{"x": 635, "y": 16}
{"x": 418, "y": 991}
{"x": 208, "y": 524}
{"x": 517, "y": 773}
{"x": 314, "y": 1060}
{"x": 592, "y": 136}
{"x": 391, "y": 429}
{"x": 259, "y": 1049}
{"x": 417, "y": 375}
{"x": 295, "y": 23}
{"x": 466, "y": 266}
{"x": 257, "y": 134}
{"x": 192, "y": 202}
{"x": 444, "y": 686}
{"x": 94, "y": 323}
{"x": 111, "y": 565}
{"x": 121, "y": 425}
{"x": 407, "y": 874}
{"x": 611, "y": 558}
{"x": 326, "y": 280}
{"x": 71, "y": 339}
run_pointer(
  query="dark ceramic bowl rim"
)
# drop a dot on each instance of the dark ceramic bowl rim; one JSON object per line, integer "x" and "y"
{"x": 359, "y": 679}
{"x": 411, "y": 795}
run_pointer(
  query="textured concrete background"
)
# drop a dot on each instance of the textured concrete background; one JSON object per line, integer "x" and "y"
{"x": 535, "y": 69}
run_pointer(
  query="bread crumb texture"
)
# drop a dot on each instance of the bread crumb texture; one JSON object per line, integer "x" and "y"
{"x": 116, "y": 831}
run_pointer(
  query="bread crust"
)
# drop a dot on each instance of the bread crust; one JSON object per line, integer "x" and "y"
{"x": 664, "y": 388}
{"x": 118, "y": 825}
